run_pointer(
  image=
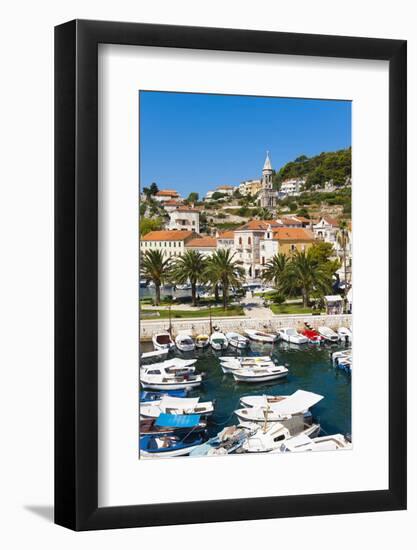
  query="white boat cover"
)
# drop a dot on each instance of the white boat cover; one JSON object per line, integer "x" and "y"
{"x": 169, "y": 402}
{"x": 297, "y": 402}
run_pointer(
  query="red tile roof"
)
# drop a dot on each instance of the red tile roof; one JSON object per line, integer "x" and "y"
{"x": 174, "y": 235}
{"x": 226, "y": 235}
{"x": 292, "y": 234}
{"x": 167, "y": 193}
{"x": 258, "y": 225}
{"x": 202, "y": 242}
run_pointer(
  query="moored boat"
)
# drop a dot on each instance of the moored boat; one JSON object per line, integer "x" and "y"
{"x": 163, "y": 379}
{"x": 218, "y": 341}
{"x": 263, "y": 337}
{"x": 328, "y": 334}
{"x": 303, "y": 442}
{"x": 151, "y": 396}
{"x": 162, "y": 340}
{"x": 184, "y": 342}
{"x": 260, "y": 374}
{"x": 312, "y": 335}
{"x": 289, "y": 334}
{"x": 169, "y": 423}
{"x": 177, "y": 406}
{"x": 237, "y": 340}
{"x": 261, "y": 408}
{"x": 227, "y": 441}
{"x": 272, "y": 438}
{"x": 202, "y": 341}
{"x": 169, "y": 445}
{"x": 237, "y": 364}
{"x": 345, "y": 335}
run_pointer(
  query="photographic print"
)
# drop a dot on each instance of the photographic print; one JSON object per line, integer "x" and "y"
{"x": 245, "y": 281}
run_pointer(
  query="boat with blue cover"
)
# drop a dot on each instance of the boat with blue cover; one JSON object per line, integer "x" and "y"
{"x": 169, "y": 423}
{"x": 163, "y": 445}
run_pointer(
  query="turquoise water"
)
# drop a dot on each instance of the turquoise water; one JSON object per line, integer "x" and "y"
{"x": 310, "y": 369}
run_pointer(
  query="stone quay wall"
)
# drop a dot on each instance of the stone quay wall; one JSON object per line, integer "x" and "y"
{"x": 149, "y": 327}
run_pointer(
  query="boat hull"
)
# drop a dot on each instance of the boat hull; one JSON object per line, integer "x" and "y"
{"x": 256, "y": 379}
{"x": 170, "y": 385}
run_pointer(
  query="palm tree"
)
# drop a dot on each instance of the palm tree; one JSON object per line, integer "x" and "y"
{"x": 264, "y": 214}
{"x": 223, "y": 269}
{"x": 343, "y": 239}
{"x": 189, "y": 267}
{"x": 304, "y": 272}
{"x": 275, "y": 268}
{"x": 154, "y": 267}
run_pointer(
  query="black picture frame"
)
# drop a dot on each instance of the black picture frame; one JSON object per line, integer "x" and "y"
{"x": 76, "y": 272}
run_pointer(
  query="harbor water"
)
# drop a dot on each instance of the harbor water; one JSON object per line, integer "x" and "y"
{"x": 310, "y": 368}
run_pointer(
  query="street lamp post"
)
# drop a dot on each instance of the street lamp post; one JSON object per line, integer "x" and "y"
{"x": 211, "y": 322}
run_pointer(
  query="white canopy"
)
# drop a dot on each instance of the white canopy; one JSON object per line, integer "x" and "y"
{"x": 168, "y": 402}
{"x": 297, "y": 402}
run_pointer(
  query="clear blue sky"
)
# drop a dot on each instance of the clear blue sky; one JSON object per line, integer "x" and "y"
{"x": 195, "y": 142}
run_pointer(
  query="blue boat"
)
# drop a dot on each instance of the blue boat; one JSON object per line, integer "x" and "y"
{"x": 169, "y": 444}
{"x": 168, "y": 423}
{"x": 149, "y": 396}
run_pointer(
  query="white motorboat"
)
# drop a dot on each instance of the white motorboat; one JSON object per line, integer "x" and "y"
{"x": 261, "y": 408}
{"x": 303, "y": 442}
{"x": 237, "y": 340}
{"x": 345, "y": 335}
{"x": 173, "y": 365}
{"x": 218, "y": 341}
{"x": 184, "y": 287}
{"x": 260, "y": 374}
{"x": 202, "y": 341}
{"x": 245, "y": 360}
{"x": 272, "y": 438}
{"x": 232, "y": 366}
{"x": 162, "y": 340}
{"x": 289, "y": 334}
{"x": 184, "y": 342}
{"x": 328, "y": 334}
{"x": 259, "y": 336}
{"x": 176, "y": 405}
{"x": 150, "y": 356}
{"x": 162, "y": 379}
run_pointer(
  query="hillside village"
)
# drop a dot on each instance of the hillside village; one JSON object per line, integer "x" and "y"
{"x": 305, "y": 202}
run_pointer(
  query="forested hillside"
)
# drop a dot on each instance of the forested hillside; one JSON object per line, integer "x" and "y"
{"x": 336, "y": 166}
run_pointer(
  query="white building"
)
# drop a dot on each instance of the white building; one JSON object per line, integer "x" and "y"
{"x": 326, "y": 229}
{"x": 292, "y": 187}
{"x": 226, "y": 239}
{"x": 184, "y": 218}
{"x": 247, "y": 244}
{"x": 166, "y": 195}
{"x": 170, "y": 243}
{"x": 226, "y": 189}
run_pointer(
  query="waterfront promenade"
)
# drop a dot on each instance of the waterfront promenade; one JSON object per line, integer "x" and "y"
{"x": 196, "y": 326}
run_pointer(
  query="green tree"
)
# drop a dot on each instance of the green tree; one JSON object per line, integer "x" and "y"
{"x": 148, "y": 224}
{"x": 153, "y": 188}
{"x": 304, "y": 272}
{"x": 274, "y": 269}
{"x": 192, "y": 197}
{"x": 189, "y": 267}
{"x": 223, "y": 269}
{"x": 155, "y": 268}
